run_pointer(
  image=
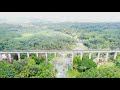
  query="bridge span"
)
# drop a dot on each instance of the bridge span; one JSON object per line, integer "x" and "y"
{"x": 62, "y": 52}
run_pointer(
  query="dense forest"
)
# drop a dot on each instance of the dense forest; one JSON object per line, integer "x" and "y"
{"x": 59, "y": 36}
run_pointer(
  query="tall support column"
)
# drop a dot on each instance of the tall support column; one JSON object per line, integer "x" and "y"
{"x": 0, "y": 56}
{"x": 37, "y": 54}
{"x": 54, "y": 54}
{"x": 115, "y": 55}
{"x": 46, "y": 57}
{"x": 63, "y": 55}
{"x": 18, "y": 56}
{"x": 72, "y": 59}
{"x": 28, "y": 55}
{"x": 81, "y": 55}
{"x": 9, "y": 57}
{"x": 107, "y": 56}
{"x": 98, "y": 57}
{"x": 90, "y": 55}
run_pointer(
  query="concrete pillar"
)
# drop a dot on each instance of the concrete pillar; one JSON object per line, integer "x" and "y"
{"x": 18, "y": 56}
{"x": 28, "y": 55}
{"x": 37, "y": 54}
{"x": 0, "y": 56}
{"x": 63, "y": 55}
{"x": 72, "y": 59}
{"x": 55, "y": 54}
{"x": 81, "y": 55}
{"x": 115, "y": 55}
{"x": 98, "y": 57}
{"x": 46, "y": 57}
{"x": 107, "y": 56}
{"x": 9, "y": 57}
{"x": 90, "y": 55}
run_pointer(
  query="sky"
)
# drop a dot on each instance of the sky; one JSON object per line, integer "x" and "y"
{"x": 62, "y": 16}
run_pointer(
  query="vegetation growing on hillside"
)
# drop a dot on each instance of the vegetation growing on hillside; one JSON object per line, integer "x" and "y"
{"x": 59, "y": 36}
{"x": 89, "y": 69}
{"x": 27, "y": 68}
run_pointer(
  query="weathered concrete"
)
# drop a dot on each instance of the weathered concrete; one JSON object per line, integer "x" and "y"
{"x": 9, "y": 57}
{"x": 37, "y": 54}
{"x": 90, "y": 55}
{"x": 18, "y": 56}
{"x": 81, "y": 52}
{"x": 115, "y": 55}
{"x": 107, "y": 56}
{"x": 28, "y": 55}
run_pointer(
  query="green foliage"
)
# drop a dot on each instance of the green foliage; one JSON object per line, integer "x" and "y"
{"x": 73, "y": 74}
{"x": 59, "y": 36}
{"x": 23, "y": 56}
{"x": 38, "y": 60}
{"x": 88, "y": 63}
{"x": 24, "y": 73}
{"x": 18, "y": 67}
{"x": 82, "y": 65}
{"x": 45, "y": 71}
{"x": 23, "y": 62}
{"x": 30, "y": 68}
{"x": 31, "y": 62}
{"x": 76, "y": 61}
{"x": 111, "y": 72}
{"x": 6, "y": 70}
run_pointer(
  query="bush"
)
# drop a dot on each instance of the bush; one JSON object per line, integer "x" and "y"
{"x": 76, "y": 62}
{"x": 18, "y": 67}
{"x": 117, "y": 62}
{"x": 86, "y": 64}
{"x": 111, "y": 72}
{"x": 6, "y": 70}
{"x": 73, "y": 74}
{"x": 33, "y": 70}
{"x": 82, "y": 65}
{"x": 23, "y": 56}
{"x": 23, "y": 62}
{"x": 37, "y": 60}
{"x": 31, "y": 62}
{"x": 45, "y": 71}
{"x": 24, "y": 73}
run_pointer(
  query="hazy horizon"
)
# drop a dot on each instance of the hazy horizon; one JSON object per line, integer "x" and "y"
{"x": 93, "y": 17}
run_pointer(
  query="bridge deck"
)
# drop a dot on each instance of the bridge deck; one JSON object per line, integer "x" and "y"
{"x": 60, "y": 51}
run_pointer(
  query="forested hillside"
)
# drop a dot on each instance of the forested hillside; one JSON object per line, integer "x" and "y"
{"x": 59, "y": 36}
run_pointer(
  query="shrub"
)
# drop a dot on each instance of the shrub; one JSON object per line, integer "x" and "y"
{"x": 45, "y": 71}
{"x": 18, "y": 67}
{"x": 117, "y": 62}
{"x": 23, "y": 56}
{"x": 76, "y": 62}
{"x": 23, "y": 62}
{"x": 82, "y": 65}
{"x": 111, "y": 72}
{"x": 37, "y": 60}
{"x": 33, "y": 70}
{"x": 6, "y": 70}
{"x": 106, "y": 65}
{"x": 73, "y": 74}
{"x": 31, "y": 62}
{"x": 24, "y": 73}
{"x": 86, "y": 64}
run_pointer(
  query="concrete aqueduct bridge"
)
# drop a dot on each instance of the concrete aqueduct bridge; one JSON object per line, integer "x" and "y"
{"x": 62, "y": 52}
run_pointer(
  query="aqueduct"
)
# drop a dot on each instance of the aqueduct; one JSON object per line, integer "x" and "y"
{"x": 72, "y": 53}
